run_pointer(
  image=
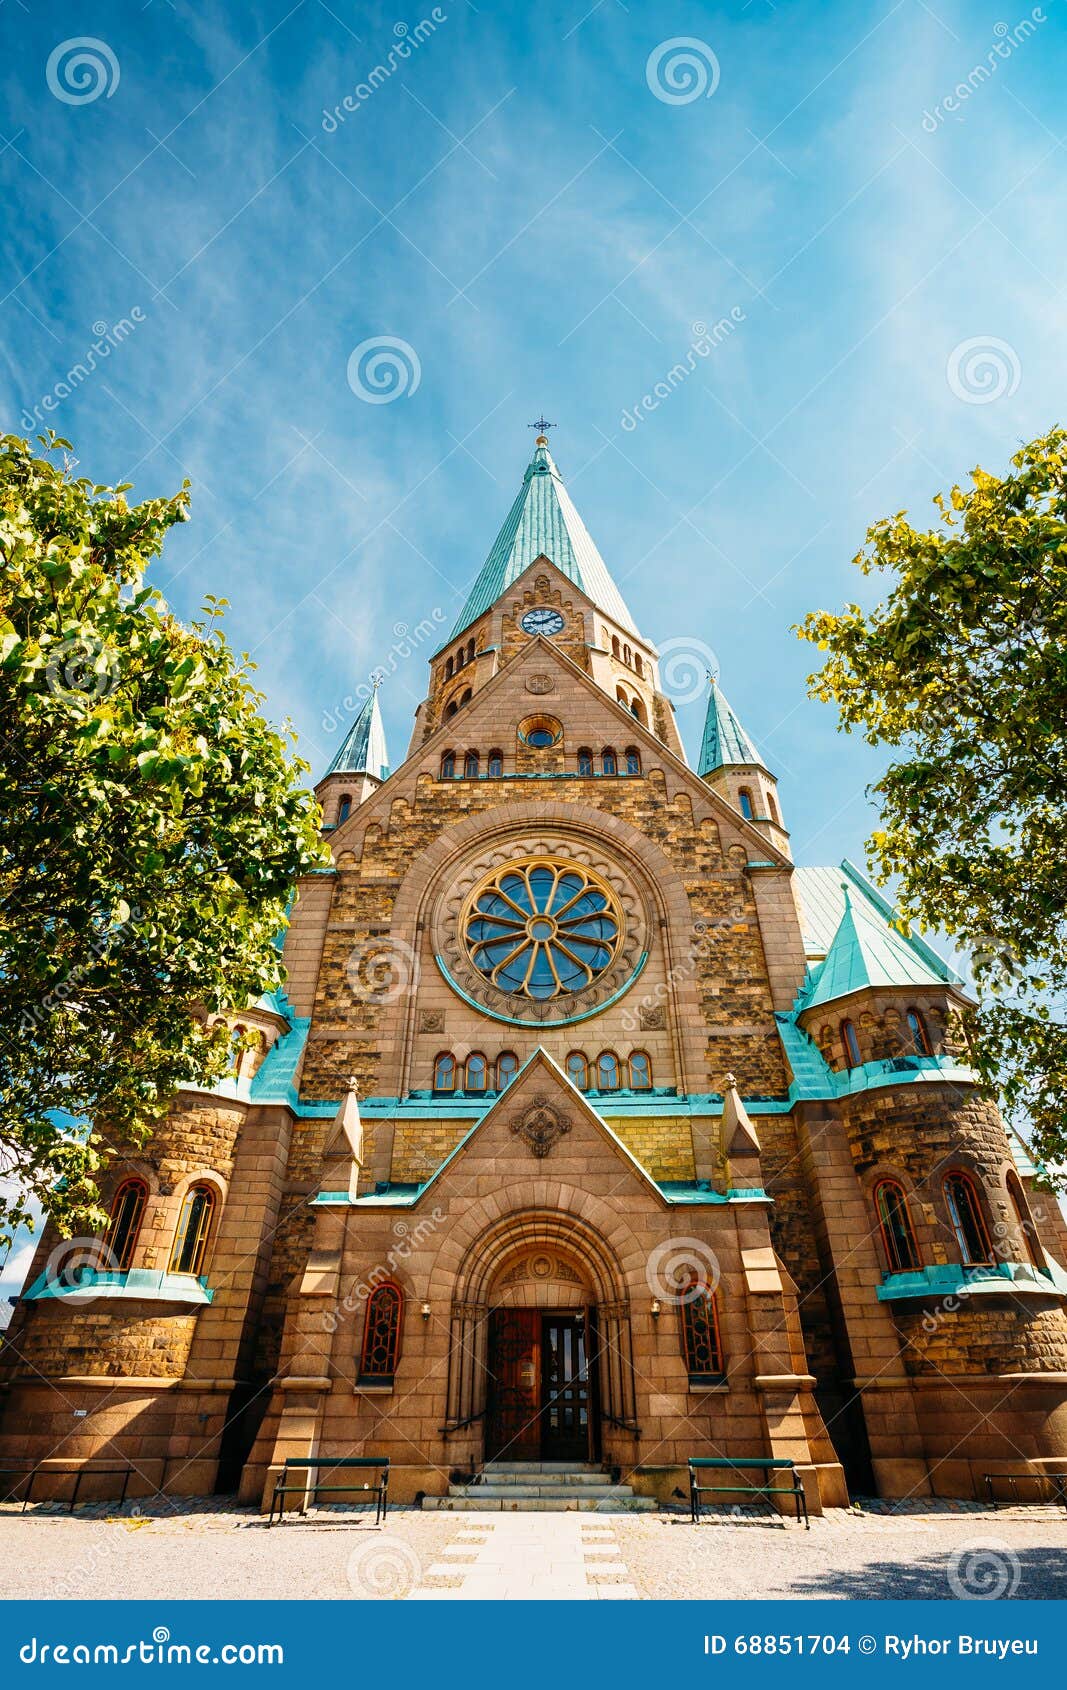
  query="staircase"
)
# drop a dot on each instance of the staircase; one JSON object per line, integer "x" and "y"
{"x": 542, "y": 1487}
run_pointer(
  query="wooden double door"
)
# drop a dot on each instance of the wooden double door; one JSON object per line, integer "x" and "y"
{"x": 540, "y": 1402}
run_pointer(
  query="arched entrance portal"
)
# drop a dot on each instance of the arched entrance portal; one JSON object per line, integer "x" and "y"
{"x": 540, "y": 1358}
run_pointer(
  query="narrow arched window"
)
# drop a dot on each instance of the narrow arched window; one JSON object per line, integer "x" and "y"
{"x": 448, "y": 762}
{"x": 638, "y": 665}
{"x": 1025, "y": 1220}
{"x": 772, "y": 809}
{"x": 470, "y": 765}
{"x": 236, "y": 1049}
{"x": 344, "y": 809}
{"x": 194, "y": 1230}
{"x": 449, "y": 669}
{"x": 381, "y": 1335}
{"x": 450, "y": 709}
{"x": 507, "y": 1066}
{"x": 851, "y": 1045}
{"x": 476, "y": 1077}
{"x": 608, "y": 761}
{"x": 968, "y": 1221}
{"x": 585, "y": 761}
{"x": 640, "y": 1071}
{"x": 127, "y": 1211}
{"x": 444, "y": 1072}
{"x": 460, "y": 658}
{"x": 701, "y": 1338}
{"x": 633, "y": 760}
{"x": 894, "y": 1223}
{"x": 470, "y": 651}
{"x": 467, "y": 696}
{"x": 920, "y": 1037}
{"x": 616, "y": 649}
{"x": 607, "y": 1071}
{"x": 620, "y": 697}
{"x": 496, "y": 764}
{"x": 578, "y": 1070}
{"x": 744, "y": 801}
{"x": 627, "y": 657}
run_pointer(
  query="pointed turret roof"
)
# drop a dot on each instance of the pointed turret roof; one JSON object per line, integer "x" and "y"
{"x": 866, "y": 951}
{"x": 363, "y": 750}
{"x": 543, "y": 520}
{"x": 725, "y": 740}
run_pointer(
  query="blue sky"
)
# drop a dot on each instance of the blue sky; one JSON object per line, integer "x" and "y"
{"x": 516, "y": 201}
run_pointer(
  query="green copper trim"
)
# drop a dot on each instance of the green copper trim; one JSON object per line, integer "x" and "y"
{"x": 141, "y": 1284}
{"x": 534, "y": 1026}
{"x": 990, "y": 1279}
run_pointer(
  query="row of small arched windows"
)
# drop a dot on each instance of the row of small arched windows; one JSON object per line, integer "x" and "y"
{"x": 191, "y": 1236}
{"x": 476, "y": 1073}
{"x": 467, "y": 765}
{"x": 455, "y": 663}
{"x": 632, "y": 659}
{"x": 918, "y": 1038}
{"x": 965, "y": 1212}
{"x": 609, "y": 761}
{"x": 748, "y": 809}
{"x": 608, "y": 1073}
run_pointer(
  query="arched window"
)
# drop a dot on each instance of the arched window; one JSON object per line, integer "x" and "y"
{"x": 920, "y": 1037}
{"x": 968, "y": 1221}
{"x": 851, "y": 1045}
{"x": 460, "y": 659}
{"x": 620, "y": 697}
{"x": 894, "y": 1223}
{"x": 1025, "y": 1221}
{"x": 772, "y": 809}
{"x": 616, "y": 649}
{"x": 637, "y": 710}
{"x": 608, "y": 761}
{"x": 450, "y": 709}
{"x": 476, "y": 1077}
{"x": 236, "y": 1049}
{"x": 470, "y": 765}
{"x": 194, "y": 1229}
{"x": 470, "y": 651}
{"x": 627, "y": 657}
{"x": 585, "y": 761}
{"x": 638, "y": 665}
{"x": 607, "y": 1071}
{"x": 344, "y": 809}
{"x": 467, "y": 696}
{"x": 444, "y": 1072}
{"x": 701, "y": 1339}
{"x": 578, "y": 1070}
{"x": 744, "y": 801}
{"x": 449, "y": 668}
{"x": 633, "y": 760}
{"x": 448, "y": 761}
{"x": 381, "y": 1335}
{"x": 507, "y": 1066}
{"x": 120, "y": 1239}
{"x": 496, "y": 764}
{"x": 640, "y": 1071}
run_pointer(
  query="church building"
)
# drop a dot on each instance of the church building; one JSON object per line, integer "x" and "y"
{"x": 589, "y": 1133}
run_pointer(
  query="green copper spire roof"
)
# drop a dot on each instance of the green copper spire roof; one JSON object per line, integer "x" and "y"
{"x": 363, "y": 749}
{"x": 867, "y": 951}
{"x": 544, "y": 520}
{"x": 725, "y": 740}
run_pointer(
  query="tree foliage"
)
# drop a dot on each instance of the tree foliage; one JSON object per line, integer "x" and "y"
{"x": 963, "y": 671}
{"x": 152, "y": 825}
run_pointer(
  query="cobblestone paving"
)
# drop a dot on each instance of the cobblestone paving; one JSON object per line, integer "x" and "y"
{"x": 205, "y": 1547}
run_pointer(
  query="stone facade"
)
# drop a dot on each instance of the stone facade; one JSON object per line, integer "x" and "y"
{"x": 670, "y": 1159}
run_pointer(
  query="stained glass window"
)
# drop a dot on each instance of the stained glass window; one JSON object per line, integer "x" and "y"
{"x": 578, "y": 1070}
{"x": 701, "y": 1343}
{"x": 542, "y": 928}
{"x": 381, "y": 1334}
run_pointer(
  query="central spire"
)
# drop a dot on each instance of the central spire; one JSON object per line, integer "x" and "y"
{"x": 543, "y": 521}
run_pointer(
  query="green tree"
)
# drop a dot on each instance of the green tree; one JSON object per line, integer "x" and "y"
{"x": 152, "y": 825}
{"x": 963, "y": 671}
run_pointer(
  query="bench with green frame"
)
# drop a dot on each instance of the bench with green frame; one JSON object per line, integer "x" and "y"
{"x": 1058, "y": 1481}
{"x": 767, "y": 1465}
{"x": 306, "y": 1464}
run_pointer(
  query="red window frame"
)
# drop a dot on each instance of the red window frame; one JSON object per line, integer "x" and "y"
{"x": 898, "y": 1261}
{"x": 117, "y": 1260}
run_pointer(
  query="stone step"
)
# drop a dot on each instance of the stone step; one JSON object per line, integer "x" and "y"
{"x": 542, "y": 1467}
{"x": 539, "y": 1504}
{"x": 530, "y": 1488}
{"x": 532, "y": 1476}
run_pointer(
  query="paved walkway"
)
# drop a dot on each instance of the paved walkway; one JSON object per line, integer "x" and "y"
{"x": 532, "y": 1556}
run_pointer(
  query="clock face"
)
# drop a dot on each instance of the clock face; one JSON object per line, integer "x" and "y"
{"x": 547, "y": 622}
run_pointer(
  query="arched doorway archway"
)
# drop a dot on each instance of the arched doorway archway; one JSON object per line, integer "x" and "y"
{"x": 540, "y": 1356}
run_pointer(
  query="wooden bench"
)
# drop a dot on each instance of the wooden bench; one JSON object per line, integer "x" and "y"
{"x": 767, "y": 1465}
{"x": 297, "y": 1464}
{"x": 29, "y": 1471}
{"x": 1058, "y": 1481}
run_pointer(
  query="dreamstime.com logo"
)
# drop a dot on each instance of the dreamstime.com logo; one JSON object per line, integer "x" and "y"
{"x": 81, "y": 668}
{"x": 984, "y": 1572}
{"x": 681, "y": 1270}
{"x": 381, "y": 970}
{"x": 682, "y": 70}
{"x": 384, "y": 368}
{"x": 81, "y": 69}
{"x": 981, "y": 370}
{"x": 158, "y": 1650}
{"x": 383, "y": 1566}
{"x": 684, "y": 666}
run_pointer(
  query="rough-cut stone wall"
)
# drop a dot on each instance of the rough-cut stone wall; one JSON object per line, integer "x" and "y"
{"x": 983, "y": 1337}
{"x": 135, "y": 1341}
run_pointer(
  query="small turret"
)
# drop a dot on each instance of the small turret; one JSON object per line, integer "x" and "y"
{"x": 359, "y": 766}
{"x": 731, "y": 764}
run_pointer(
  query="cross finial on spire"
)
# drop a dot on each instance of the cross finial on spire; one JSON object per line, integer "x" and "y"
{"x": 541, "y": 425}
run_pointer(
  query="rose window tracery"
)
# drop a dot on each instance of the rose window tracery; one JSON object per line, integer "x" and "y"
{"x": 543, "y": 929}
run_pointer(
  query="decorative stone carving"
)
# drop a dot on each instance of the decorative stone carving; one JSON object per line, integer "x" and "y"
{"x": 653, "y": 1018}
{"x": 432, "y": 1021}
{"x": 540, "y": 684}
{"x": 540, "y": 1125}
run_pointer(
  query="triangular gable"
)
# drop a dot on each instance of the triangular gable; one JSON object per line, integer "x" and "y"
{"x": 866, "y": 952}
{"x": 516, "y": 1100}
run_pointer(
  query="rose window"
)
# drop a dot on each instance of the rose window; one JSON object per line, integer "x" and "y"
{"x": 542, "y": 929}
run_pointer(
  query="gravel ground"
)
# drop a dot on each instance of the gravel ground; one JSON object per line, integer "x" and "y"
{"x": 204, "y": 1548}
